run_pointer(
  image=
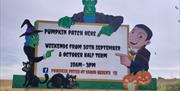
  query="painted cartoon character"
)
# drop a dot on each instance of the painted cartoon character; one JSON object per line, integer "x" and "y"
{"x": 32, "y": 39}
{"x": 138, "y": 56}
{"x": 32, "y": 80}
{"x": 59, "y": 81}
{"x": 89, "y": 15}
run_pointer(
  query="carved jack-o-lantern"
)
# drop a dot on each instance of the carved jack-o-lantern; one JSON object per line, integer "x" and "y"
{"x": 143, "y": 77}
{"x": 130, "y": 79}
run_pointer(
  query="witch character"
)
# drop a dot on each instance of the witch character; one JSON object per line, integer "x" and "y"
{"x": 31, "y": 41}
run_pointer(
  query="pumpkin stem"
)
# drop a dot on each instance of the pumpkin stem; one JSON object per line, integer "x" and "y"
{"x": 131, "y": 87}
{"x": 132, "y": 74}
{"x": 143, "y": 70}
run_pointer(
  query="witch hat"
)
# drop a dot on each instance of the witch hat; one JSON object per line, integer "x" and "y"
{"x": 30, "y": 29}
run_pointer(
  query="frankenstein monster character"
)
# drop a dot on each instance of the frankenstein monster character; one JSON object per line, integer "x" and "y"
{"x": 31, "y": 41}
{"x": 89, "y": 15}
{"x": 138, "y": 56}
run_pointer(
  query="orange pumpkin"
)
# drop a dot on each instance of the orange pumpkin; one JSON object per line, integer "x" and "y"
{"x": 128, "y": 79}
{"x": 143, "y": 77}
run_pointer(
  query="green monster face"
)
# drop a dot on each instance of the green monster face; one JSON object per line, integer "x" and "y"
{"x": 89, "y": 7}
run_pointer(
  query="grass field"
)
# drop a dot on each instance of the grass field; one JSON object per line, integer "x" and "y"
{"x": 163, "y": 85}
{"x": 168, "y": 84}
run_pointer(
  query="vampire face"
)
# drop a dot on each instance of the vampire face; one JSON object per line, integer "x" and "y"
{"x": 89, "y": 7}
{"x": 137, "y": 38}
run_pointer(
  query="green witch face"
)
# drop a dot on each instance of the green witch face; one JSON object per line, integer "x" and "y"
{"x": 35, "y": 39}
{"x": 89, "y": 7}
{"x": 32, "y": 40}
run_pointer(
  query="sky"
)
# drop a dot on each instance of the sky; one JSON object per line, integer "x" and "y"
{"x": 160, "y": 15}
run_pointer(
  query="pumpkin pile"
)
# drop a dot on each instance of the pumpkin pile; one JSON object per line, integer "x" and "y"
{"x": 141, "y": 78}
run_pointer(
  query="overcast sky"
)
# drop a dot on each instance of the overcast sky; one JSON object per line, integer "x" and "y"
{"x": 160, "y": 15}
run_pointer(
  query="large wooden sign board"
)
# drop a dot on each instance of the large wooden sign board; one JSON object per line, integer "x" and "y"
{"x": 78, "y": 51}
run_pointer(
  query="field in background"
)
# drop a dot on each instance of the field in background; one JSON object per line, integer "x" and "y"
{"x": 168, "y": 84}
{"x": 163, "y": 85}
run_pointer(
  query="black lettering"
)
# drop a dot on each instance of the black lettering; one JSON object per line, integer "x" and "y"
{"x": 58, "y": 46}
{"x": 55, "y": 31}
{"x": 108, "y": 47}
{"x": 72, "y": 54}
{"x": 90, "y": 33}
{"x": 60, "y": 54}
{"x": 101, "y": 55}
{"x": 88, "y": 55}
{"x": 76, "y": 64}
{"x": 86, "y": 47}
{"x": 88, "y": 65}
{"x": 75, "y": 32}
{"x": 75, "y": 46}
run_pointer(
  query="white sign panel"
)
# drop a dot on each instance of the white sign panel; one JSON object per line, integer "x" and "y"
{"x": 78, "y": 51}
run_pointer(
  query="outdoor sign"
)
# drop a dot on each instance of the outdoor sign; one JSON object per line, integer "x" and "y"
{"x": 78, "y": 51}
